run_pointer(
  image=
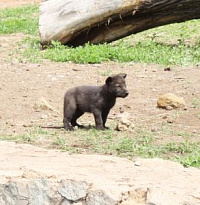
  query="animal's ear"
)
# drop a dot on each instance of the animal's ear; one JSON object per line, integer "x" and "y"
{"x": 109, "y": 80}
{"x": 123, "y": 75}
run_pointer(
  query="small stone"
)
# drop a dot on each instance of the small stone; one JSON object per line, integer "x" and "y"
{"x": 124, "y": 122}
{"x": 27, "y": 125}
{"x": 44, "y": 105}
{"x": 170, "y": 121}
{"x": 137, "y": 163}
{"x": 167, "y": 69}
{"x": 43, "y": 116}
{"x": 24, "y": 61}
{"x": 169, "y": 107}
{"x": 165, "y": 117}
{"x": 15, "y": 61}
{"x": 154, "y": 129}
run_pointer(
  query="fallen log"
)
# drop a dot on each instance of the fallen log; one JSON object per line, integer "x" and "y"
{"x": 76, "y": 22}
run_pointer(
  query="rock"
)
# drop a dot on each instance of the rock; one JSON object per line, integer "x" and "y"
{"x": 124, "y": 122}
{"x": 154, "y": 129}
{"x": 44, "y": 117}
{"x": 137, "y": 163}
{"x": 170, "y": 121}
{"x": 99, "y": 197}
{"x": 15, "y": 61}
{"x": 24, "y": 61}
{"x": 167, "y": 69}
{"x": 170, "y": 101}
{"x": 155, "y": 196}
{"x": 73, "y": 190}
{"x": 138, "y": 197}
{"x": 91, "y": 179}
{"x": 42, "y": 104}
{"x": 37, "y": 191}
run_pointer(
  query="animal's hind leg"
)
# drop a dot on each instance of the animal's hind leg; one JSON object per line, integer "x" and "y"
{"x": 77, "y": 114}
{"x": 69, "y": 112}
{"x": 67, "y": 124}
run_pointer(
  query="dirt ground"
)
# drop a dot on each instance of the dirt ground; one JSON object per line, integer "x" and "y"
{"x": 16, "y": 3}
{"x": 22, "y": 85}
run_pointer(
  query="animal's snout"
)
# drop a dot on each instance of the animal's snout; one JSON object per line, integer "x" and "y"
{"x": 126, "y": 93}
{"x": 122, "y": 93}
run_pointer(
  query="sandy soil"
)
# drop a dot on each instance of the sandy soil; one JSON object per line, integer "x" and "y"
{"x": 22, "y": 85}
{"x": 16, "y": 3}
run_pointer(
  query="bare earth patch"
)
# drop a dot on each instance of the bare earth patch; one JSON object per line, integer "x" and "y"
{"x": 22, "y": 85}
{"x": 15, "y": 3}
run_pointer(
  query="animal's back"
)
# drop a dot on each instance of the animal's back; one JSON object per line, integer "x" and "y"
{"x": 83, "y": 97}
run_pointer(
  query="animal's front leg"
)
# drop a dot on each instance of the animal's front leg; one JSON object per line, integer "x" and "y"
{"x": 104, "y": 117}
{"x": 98, "y": 119}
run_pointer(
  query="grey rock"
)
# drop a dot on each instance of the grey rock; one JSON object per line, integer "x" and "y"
{"x": 73, "y": 190}
{"x": 99, "y": 197}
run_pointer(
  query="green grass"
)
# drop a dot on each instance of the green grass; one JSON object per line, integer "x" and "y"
{"x": 145, "y": 52}
{"x": 32, "y": 51}
{"x": 175, "y": 44}
{"x": 33, "y": 136}
{"x": 19, "y": 20}
{"x": 167, "y": 45}
{"x": 142, "y": 143}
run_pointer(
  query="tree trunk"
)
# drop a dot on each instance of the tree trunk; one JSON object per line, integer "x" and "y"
{"x": 76, "y": 22}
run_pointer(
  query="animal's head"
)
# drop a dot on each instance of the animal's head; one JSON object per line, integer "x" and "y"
{"x": 117, "y": 86}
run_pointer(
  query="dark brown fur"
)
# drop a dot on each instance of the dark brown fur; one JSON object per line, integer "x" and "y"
{"x": 93, "y": 99}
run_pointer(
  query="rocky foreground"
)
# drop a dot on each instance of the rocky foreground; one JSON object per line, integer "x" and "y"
{"x": 36, "y": 176}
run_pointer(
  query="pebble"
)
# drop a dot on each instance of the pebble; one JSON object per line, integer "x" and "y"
{"x": 137, "y": 163}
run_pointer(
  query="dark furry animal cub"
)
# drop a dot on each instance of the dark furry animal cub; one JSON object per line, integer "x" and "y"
{"x": 93, "y": 99}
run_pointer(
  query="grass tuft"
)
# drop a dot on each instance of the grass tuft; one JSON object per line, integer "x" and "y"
{"x": 19, "y": 20}
{"x": 145, "y": 52}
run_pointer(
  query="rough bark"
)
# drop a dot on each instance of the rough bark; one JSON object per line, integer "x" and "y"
{"x": 76, "y": 22}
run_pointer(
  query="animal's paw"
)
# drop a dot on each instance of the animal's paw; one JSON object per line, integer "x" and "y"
{"x": 69, "y": 128}
{"x": 100, "y": 128}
